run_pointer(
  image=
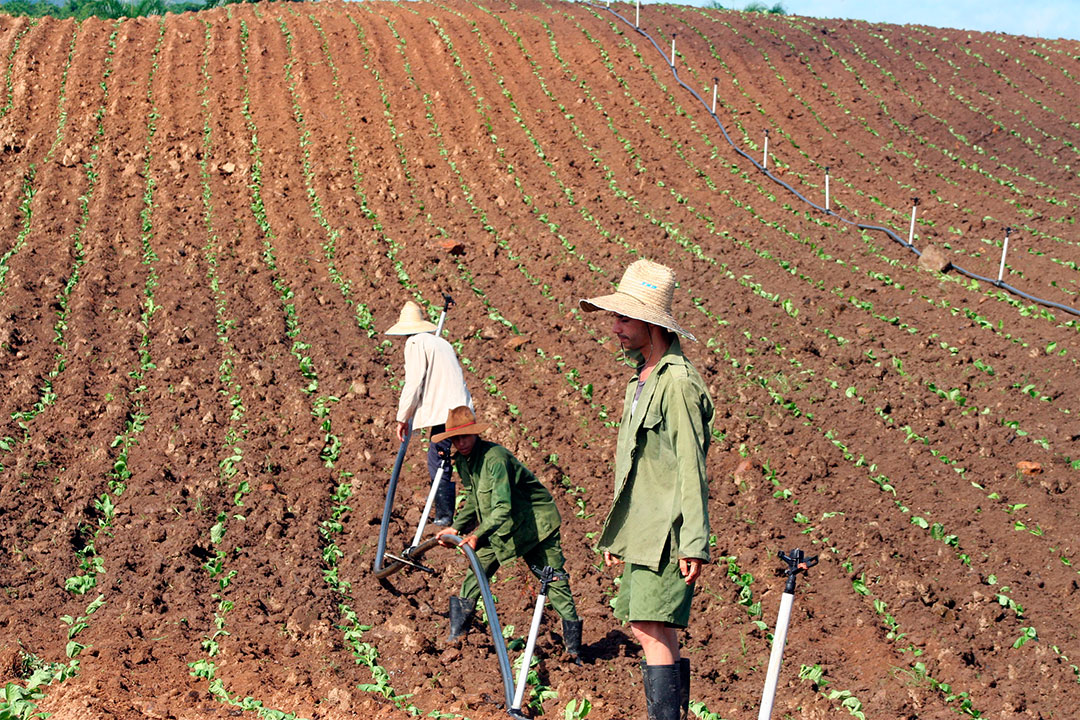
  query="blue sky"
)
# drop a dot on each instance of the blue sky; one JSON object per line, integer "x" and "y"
{"x": 1042, "y": 18}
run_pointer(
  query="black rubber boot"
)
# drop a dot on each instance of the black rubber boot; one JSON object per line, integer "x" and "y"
{"x": 444, "y": 503}
{"x": 571, "y": 634}
{"x": 662, "y": 691}
{"x": 684, "y": 687}
{"x": 461, "y": 613}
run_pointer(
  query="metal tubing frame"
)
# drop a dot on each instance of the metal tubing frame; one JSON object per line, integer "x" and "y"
{"x": 427, "y": 505}
{"x": 768, "y": 695}
{"x": 530, "y": 646}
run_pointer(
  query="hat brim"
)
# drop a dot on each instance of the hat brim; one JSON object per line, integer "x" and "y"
{"x": 473, "y": 428}
{"x": 631, "y": 307}
{"x": 410, "y": 328}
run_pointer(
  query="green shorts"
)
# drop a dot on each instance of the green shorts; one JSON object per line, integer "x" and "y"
{"x": 647, "y": 595}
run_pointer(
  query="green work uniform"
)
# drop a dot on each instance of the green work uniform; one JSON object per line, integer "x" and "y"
{"x": 660, "y": 512}
{"x": 512, "y": 515}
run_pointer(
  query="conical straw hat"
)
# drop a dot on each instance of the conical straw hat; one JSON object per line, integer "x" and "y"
{"x": 644, "y": 293}
{"x": 410, "y": 321}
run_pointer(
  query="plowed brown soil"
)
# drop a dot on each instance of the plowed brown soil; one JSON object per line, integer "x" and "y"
{"x": 226, "y": 207}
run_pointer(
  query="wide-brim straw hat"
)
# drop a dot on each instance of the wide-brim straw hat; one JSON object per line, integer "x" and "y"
{"x": 461, "y": 421}
{"x": 644, "y": 293}
{"x": 411, "y": 321}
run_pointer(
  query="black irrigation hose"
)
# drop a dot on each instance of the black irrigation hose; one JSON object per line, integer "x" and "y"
{"x": 493, "y": 619}
{"x": 796, "y": 193}
{"x": 388, "y": 506}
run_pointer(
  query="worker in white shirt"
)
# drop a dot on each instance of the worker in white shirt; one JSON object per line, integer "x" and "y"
{"x": 434, "y": 384}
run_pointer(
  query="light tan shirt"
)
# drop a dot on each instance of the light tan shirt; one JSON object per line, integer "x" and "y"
{"x": 434, "y": 383}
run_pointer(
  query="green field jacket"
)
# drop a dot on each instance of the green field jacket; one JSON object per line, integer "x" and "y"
{"x": 661, "y": 490}
{"x": 508, "y": 507}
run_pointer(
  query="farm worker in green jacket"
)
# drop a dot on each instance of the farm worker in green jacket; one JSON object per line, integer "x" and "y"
{"x": 658, "y": 524}
{"x": 507, "y": 514}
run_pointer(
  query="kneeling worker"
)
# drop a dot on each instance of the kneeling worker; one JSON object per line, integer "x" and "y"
{"x": 507, "y": 514}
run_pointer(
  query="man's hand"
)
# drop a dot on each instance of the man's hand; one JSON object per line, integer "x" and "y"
{"x": 610, "y": 560}
{"x": 442, "y": 533}
{"x": 690, "y": 569}
{"x": 402, "y": 431}
{"x": 471, "y": 541}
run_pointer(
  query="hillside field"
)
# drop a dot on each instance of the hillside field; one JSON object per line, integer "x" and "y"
{"x": 208, "y": 219}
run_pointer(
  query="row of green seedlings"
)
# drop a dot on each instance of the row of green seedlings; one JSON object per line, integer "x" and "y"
{"x": 1023, "y": 212}
{"x": 1034, "y": 147}
{"x": 920, "y": 220}
{"x": 20, "y": 701}
{"x": 571, "y": 375}
{"x": 1016, "y": 87}
{"x": 28, "y": 187}
{"x": 90, "y": 562}
{"x": 216, "y": 566}
{"x": 364, "y": 319}
{"x": 1024, "y": 310}
{"x": 46, "y": 394}
{"x": 233, "y": 451}
{"x": 91, "y": 565}
{"x": 890, "y": 320}
{"x": 983, "y": 112}
{"x": 9, "y": 72}
{"x": 361, "y": 312}
{"x": 1007, "y": 184}
{"x": 885, "y": 484}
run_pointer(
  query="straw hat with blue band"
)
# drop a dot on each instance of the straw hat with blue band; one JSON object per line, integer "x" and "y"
{"x": 644, "y": 293}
